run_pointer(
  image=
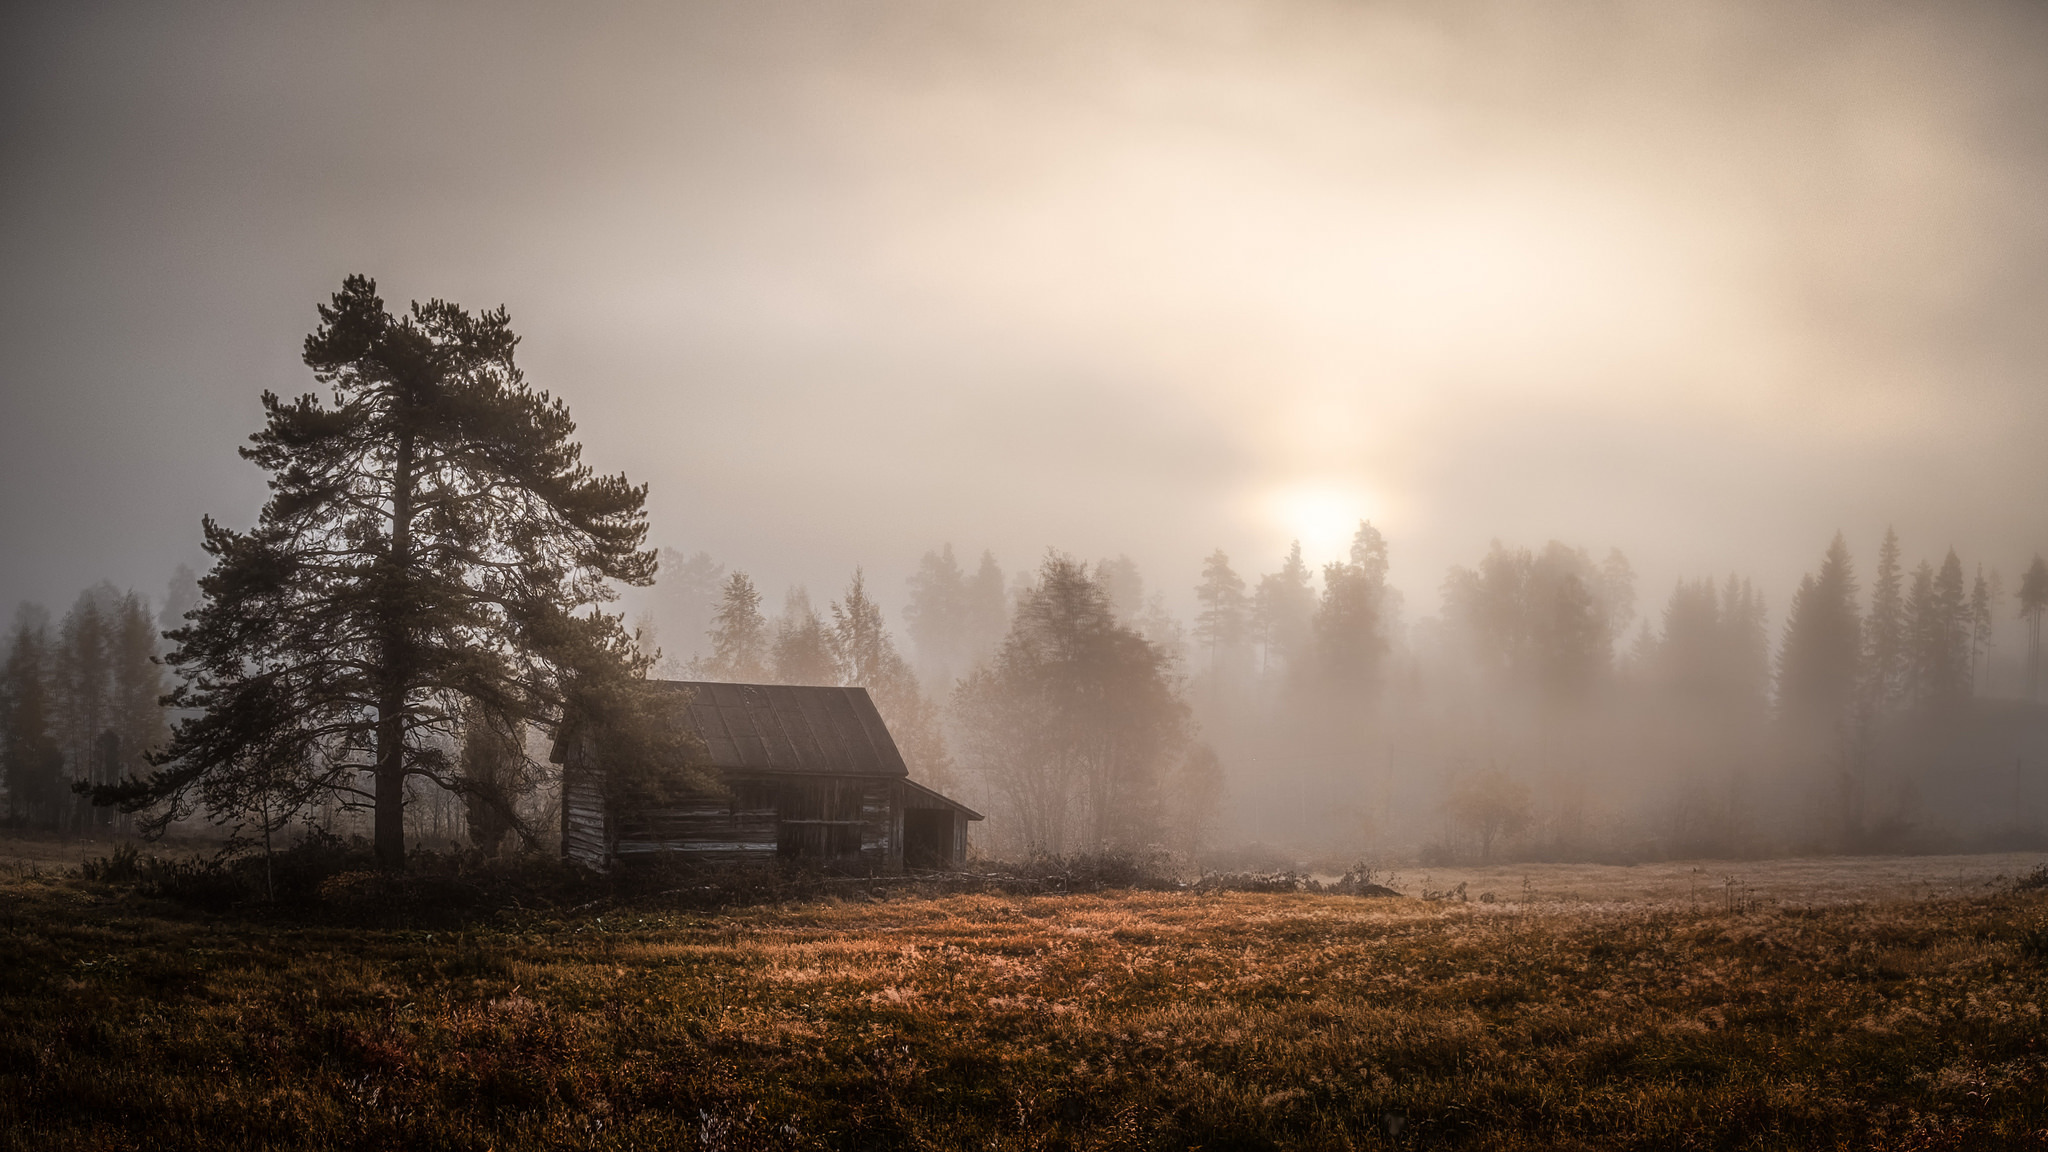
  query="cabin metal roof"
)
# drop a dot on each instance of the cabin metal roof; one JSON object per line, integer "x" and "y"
{"x": 790, "y": 728}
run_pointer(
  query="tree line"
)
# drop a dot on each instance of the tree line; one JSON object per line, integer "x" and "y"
{"x": 1534, "y": 704}
{"x": 80, "y": 700}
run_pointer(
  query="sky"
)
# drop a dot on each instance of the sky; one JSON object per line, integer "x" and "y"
{"x": 843, "y": 281}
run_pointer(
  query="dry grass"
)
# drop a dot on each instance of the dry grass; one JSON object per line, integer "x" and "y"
{"x": 1154, "y": 1020}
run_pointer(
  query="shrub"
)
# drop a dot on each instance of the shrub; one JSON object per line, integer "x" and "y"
{"x": 1096, "y": 871}
{"x": 123, "y": 867}
{"x": 209, "y": 884}
{"x": 2033, "y": 881}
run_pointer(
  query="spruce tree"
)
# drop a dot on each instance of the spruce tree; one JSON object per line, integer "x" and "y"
{"x": 937, "y": 614}
{"x": 1282, "y": 610}
{"x": 432, "y": 540}
{"x": 1689, "y": 656}
{"x": 1938, "y": 632}
{"x": 1350, "y": 621}
{"x": 1884, "y": 647}
{"x": 1821, "y": 656}
{"x": 986, "y": 611}
{"x": 739, "y": 634}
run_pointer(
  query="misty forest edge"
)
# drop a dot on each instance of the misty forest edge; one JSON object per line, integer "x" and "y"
{"x": 424, "y": 590}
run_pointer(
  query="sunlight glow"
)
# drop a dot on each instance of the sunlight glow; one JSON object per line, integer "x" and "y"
{"x": 1322, "y": 515}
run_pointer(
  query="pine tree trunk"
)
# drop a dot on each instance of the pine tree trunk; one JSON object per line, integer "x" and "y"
{"x": 389, "y": 825}
{"x": 388, "y": 828}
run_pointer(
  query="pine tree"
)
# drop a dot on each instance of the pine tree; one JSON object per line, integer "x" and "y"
{"x": 432, "y": 538}
{"x": 1820, "y": 658}
{"x": 1221, "y": 623}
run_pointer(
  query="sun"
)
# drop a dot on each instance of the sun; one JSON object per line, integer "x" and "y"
{"x": 1323, "y": 516}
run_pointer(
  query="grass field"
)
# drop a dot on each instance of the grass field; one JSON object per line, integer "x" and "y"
{"x": 1799, "y": 1004}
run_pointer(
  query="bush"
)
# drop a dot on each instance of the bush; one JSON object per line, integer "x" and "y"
{"x": 1096, "y": 871}
{"x": 209, "y": 884}
{"x": 1287, "y": 881}
{"x": 1358, "y": 880}
{"x": 123, "y": 867}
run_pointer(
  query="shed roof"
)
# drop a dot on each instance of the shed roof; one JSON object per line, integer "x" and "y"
{"x": 799, "y": 729}
{"x": 916, "y": 795}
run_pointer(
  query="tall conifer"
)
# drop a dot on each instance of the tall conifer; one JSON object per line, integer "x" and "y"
{"x": 1819, "y": 661}
{"x": 1221, "y": 618}
{"x": 1884, "y": 639}
{"x": 739, "y": 634}
{"x": 432, "y": 538}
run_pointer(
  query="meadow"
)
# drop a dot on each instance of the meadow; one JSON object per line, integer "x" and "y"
{"x": 1887, "y": 1003}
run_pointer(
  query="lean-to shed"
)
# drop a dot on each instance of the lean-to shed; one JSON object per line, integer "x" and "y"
{"x": 811, "y": 773}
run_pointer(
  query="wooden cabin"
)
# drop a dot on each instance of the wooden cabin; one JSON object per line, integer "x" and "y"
{"x": 810, "y": 773}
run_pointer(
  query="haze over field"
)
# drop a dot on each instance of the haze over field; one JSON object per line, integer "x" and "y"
{"x": 845, "y": 283}
{"x": 1686, "y": 290}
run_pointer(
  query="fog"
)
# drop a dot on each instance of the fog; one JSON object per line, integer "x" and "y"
{"x": 842, "y": 284}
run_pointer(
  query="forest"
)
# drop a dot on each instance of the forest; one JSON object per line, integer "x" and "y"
{"x": 1299, "y": 716}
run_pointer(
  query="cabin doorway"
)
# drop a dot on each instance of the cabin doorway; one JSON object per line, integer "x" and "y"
{"x": 928, "y": 838}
